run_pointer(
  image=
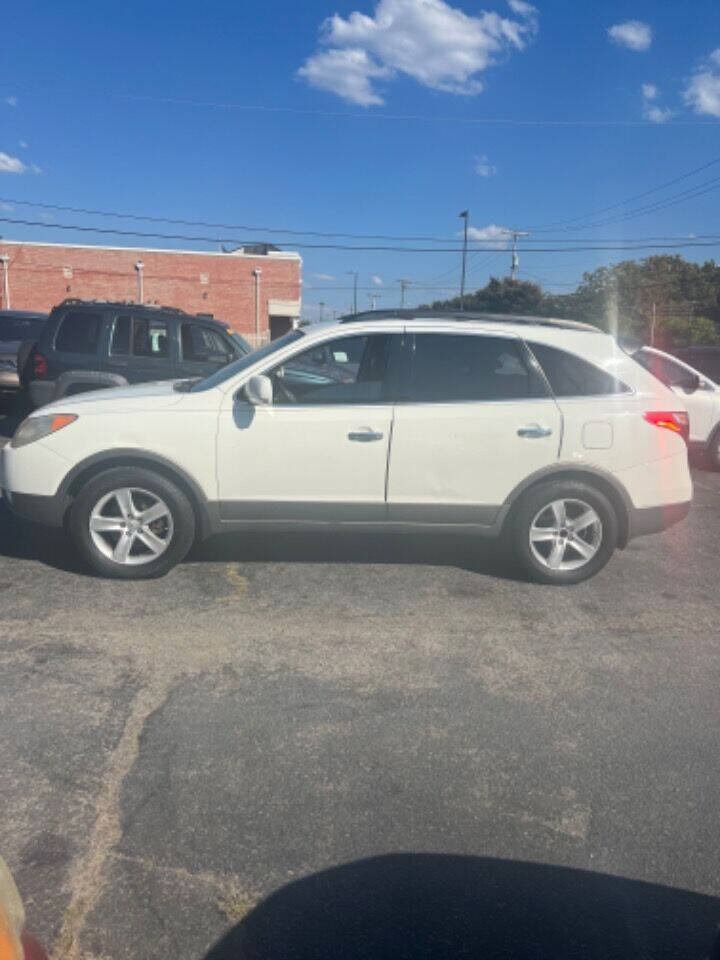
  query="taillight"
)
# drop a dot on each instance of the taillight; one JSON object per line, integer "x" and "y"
{"x": 39, "y": 365}
{"x": 676, "y": 420}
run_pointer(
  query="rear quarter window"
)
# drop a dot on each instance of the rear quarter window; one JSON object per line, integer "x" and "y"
{"x": 79, "y": 332}
{"x": 571, "y": 376}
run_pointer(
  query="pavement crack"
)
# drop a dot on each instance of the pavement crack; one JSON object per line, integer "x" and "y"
{"x": 86, "y": 877}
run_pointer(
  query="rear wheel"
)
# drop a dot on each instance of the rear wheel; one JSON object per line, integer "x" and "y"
{"x": 132, "y": 523}
{"x": 564, "y": 531}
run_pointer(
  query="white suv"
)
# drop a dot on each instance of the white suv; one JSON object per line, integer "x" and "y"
{"x": 699, "y": 394}
{"x": 542, "y": 431}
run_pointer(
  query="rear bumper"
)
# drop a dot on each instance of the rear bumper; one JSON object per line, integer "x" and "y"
{"x": 41, "y": 392}
{"x": 647, "y": 520}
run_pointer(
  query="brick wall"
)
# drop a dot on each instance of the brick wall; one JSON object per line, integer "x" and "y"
{"x": 221, "y": 284}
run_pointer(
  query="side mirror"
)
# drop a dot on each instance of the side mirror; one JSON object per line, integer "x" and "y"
{"x": 259, "y": 390}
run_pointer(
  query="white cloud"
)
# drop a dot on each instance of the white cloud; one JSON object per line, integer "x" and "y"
{"x": 10, "y": 164}
{"x": 7, "y": 207}
{"x": 703, "y": 91}
{"x": 438, "y": 45}
{"x": 651, "y": 110}
{"x": 11, "y": 101}
{"x": 483, "y": 167}
{"x": 323, "y": 276}
{"x": 633, "y": 34}
{"x": 492, "y": 237}
{"x": 378, "y": 281}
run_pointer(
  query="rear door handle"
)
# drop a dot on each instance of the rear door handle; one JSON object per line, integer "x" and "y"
{"x": 534, "y": 430}
{"x": 366, "y": 435}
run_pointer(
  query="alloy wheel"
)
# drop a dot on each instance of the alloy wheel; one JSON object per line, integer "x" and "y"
{"x": 131, "y": 526}
{"x": 565, "y": 534}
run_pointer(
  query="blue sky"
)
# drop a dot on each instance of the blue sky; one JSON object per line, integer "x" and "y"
{"x": 360, "y": 117}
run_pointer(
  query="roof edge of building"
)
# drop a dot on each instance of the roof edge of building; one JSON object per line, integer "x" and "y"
{"x": 271, "y": 255}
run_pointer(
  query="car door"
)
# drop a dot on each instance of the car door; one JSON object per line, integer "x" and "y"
{"x": 319, "y": 451}
{"x": 141, "y": 348}
{"x": 477, "y": 423}
{"x": 202, "y": 350}
{"x": 700, "y": 403}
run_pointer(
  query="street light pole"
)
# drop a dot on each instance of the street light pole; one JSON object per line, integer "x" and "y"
{"x": 464, "y": 216}
{"x": 354, "y": 275}
{"x": 404, "y": 284}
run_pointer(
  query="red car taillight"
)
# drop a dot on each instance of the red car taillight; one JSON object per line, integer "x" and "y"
{"x": 676, "y": 420}
{"x": 39, "y": 365}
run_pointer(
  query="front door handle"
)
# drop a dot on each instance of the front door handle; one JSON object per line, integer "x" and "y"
{"x": 366, "y": 435}
{"x": 534, "y": 430}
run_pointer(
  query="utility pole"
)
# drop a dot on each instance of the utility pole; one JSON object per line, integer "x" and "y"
{"x": 322, "y": 310}
{"x": 465, "y": 215}
{"x": 515, "y": 260}
{"x": 404, "y": 284}
{"x": 354, "y": 275}
{"x": 373, "y": 298}
{"x": 652, "y": 325}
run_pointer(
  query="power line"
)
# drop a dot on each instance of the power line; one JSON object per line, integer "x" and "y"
{"x": 354, "y": 115}
{"x": 633, "y": 199}
{"x": 339, "y": 246}
{"x": 482, "y": 245}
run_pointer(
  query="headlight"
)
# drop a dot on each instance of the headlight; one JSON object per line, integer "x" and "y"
{"x": 35, "y": 428}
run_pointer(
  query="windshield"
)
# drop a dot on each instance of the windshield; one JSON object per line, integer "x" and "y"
{"x": 237, "y": 366}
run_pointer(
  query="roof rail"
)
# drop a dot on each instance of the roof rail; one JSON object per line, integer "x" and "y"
{"x": 465, "y": 315}
{"x": 77, "y": 301}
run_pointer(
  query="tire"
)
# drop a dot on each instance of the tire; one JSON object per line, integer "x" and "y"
{"x": 148, "y": 549}
{"x": 713, "y": 451}
{"x": 538, "y": 554}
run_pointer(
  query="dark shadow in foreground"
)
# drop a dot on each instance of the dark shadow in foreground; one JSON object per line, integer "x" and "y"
{"x": 423, "y": 906}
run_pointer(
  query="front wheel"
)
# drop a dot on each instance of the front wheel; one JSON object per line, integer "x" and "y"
{"x": 131, "y": 523}
{"x": 564, "y": 531}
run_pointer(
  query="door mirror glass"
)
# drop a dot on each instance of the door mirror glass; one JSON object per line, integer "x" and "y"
{"x": 259, "y": 390}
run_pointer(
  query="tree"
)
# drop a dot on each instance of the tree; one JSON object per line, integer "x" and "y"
{"x": 499, "y": 296}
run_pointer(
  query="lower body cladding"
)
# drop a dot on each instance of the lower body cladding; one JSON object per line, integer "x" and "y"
{"x": 238, "y": 515}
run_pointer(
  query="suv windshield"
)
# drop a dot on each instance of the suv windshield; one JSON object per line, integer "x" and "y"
{"x": 225, "y": 373}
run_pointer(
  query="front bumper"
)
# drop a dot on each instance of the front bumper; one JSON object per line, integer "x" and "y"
{"x": 48, "y": 510}
{"x": 646, "y": 520}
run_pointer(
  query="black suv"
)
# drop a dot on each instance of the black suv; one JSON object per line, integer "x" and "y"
{"x": 90, "y": 345}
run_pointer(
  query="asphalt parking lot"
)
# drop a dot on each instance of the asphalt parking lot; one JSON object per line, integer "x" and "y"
{"x": 363, "y": 746}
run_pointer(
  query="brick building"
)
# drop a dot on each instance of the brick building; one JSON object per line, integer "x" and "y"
{"x": 254, "y": 289}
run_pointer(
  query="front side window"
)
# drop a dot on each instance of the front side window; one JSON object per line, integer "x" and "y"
{"x": 139, "y": 337}
{"x": 348, "y": 370}
{"x": 570, "y": 376}
{"x": 448, "y": 368}
{"x": 79, "y": 332}
{"x": 202, "y": 343}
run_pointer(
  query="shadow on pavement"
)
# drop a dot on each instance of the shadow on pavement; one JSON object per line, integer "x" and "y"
{"x": 433, "y": 906}
{"x": 28, "y": 541}
{"x": 476, "y": 554}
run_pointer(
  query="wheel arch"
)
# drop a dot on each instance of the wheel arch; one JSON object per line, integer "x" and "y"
{"x": 84, "y": 471}
{"x": 604, "y": 482}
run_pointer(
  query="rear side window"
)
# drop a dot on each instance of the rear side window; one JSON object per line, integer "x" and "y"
{"x": 78, "y": 333}
{"x": 454, "y": 367}
{"x": 139, "y": 337}
{"x": 569, "y": 376}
